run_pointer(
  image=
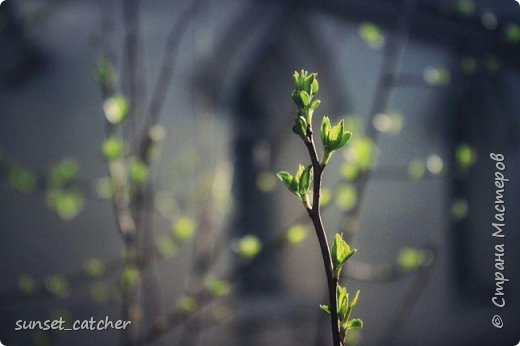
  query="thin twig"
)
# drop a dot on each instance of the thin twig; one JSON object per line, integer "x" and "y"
{"x": 166, "y": 72}
{"x": 134, "y": 57}
{"x": 315, "y": 215}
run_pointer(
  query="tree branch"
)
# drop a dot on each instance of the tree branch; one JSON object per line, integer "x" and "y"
{"x": 315, "y": 215}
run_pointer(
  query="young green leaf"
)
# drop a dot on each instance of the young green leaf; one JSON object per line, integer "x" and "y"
{"x": 305, "y": 98}
{"x": 300, "y": 126}
{"x": 325, "y": 130}
{"x": 314, "y": 86}
{"x": 315, "y": 104}
{"x": 355, "y": 323}
{"x": 333, "y": 138}
{"x": 355, "y": 300}
{"x": 288, "y": 180}
{"x": 325, "y": 309}
{"x": 342, "y": 302}
{"x": 305, "y": 181}
{"x": 340, "y": 253}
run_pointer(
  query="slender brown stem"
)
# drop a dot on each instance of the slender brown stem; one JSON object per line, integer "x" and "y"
{"x": 315, "y": 215}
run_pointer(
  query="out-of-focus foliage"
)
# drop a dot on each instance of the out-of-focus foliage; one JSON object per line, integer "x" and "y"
{"x": 390, "y": 123}
{"x": 459, "y": 209}
{"x": 95, "y": 267}
{"x": 57, "y": 285}
{"x": 100, "y": 292}
{"x": 437, "y": 76}
{"x": 416, "y": 169}
{"x": 116, "y": 109}
{"x": 138, "y": 171}
{"x": 296, "y": 234}
{"x": 186, "y": 304}
{"x": 113, "y": 148}
{"x": 265, "y": 181}
{"x": 130, "y": 276}
{"x": 63, "y": 173}
{"x": 166, "y": 246}
{"x": 512, "y": 33}
{"x": 434, "y": 164}
{"x": 346, "y": 197}
{"x": 469, "y": 65}
{"x": 216, "y": 287}
{"x": 361, "y": 152}
{"x": 465, "y": 156}
{"x": 410, "y": 259}
{"x": 248, "y": 246}
{"x": 21, "y": 179}
{"x": 26, "y": 284}
{"x": 184, "y": 228}
{"x": 372, "y": 35}
{"x": 66, "y": 203}
{"x": 466, "y": 7}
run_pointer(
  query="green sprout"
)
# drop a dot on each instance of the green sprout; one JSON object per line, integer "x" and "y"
{"x": 309, "y": 177}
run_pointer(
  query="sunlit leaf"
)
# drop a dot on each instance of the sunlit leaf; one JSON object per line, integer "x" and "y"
{"x": 340, "y": 253}
{"x": 355, "y": 323}
{"x": 325, "y": 309}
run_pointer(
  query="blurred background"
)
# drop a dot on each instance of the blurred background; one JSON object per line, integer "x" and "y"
{"x": 140, "y": 142}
